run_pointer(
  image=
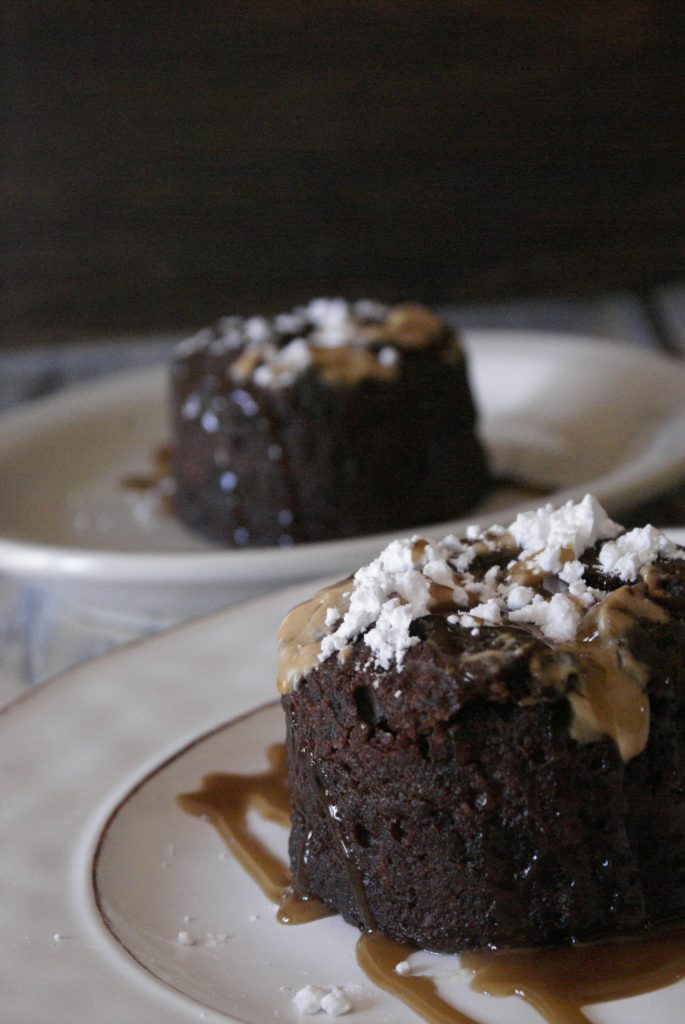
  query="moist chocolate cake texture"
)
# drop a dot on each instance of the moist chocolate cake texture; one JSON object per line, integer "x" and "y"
{"x": 337, "y": 419}
{"x": 486, "y": 735}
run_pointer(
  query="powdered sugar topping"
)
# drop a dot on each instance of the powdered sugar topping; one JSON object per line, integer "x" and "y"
{"x": 284, "y": 365}
{"x": 278, "y": 349}
{"x": 344, "y": 340}
{"x": 538, "y": 579}
{"x": 388, "y": 594}
{"x": 545, "y": 534}
{"x": 626, "y": 555}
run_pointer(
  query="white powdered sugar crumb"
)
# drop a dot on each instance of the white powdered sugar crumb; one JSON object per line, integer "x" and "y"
{"x": 331, "y": 318}
{"x": 185, "y": 939}
{"x": 388, "y": 594}
{"x": 572, "y": 572}
{"x": 489, "y": 612}
{"x": 336, "y": 1003}
{"x": 388, "y": 356}
{"x": 332, "y": 616}
{"x": 295, "y": 356}
{"x": 337, "y": 323}
{"x": 285, "y": 365}
{"x": 557, "y": 617}
{"x": 439, "y": 571}
{"x": 311, "y": 999}
{"x": 389, "y": 639}
{"x": 519, "y": 596}
{"x": 264, "y": 376}
{"x": 625, "y": 556}
{"x": 308, "y": 999}
{"x": 403, "y": 968}
{"x": 543, "y": 535}
{"x": 452, "y": 544}
{"x": 257, "y": 330}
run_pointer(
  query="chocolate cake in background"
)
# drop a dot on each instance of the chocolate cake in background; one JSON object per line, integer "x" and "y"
{"x": 334, "y": 420}
{"x": 486, "y": 736}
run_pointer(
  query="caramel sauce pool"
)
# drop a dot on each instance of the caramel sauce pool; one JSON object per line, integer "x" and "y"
{"x": 557, "y": 982}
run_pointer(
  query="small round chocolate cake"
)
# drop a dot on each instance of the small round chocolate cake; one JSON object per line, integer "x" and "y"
{"x": 335, "y": 420}
{"x": 486, "y": 735}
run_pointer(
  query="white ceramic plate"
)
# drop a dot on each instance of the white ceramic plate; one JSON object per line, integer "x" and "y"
{"x": 567, "y": 413}
{"x": 91, "y": 764}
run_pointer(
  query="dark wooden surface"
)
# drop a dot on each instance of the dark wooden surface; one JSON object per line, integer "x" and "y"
{"x": 165, "y": 163}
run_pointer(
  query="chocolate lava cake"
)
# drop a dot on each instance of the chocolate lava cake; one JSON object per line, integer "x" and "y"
{"x": 486, "y": 736}
{"x": 335, "y": 420}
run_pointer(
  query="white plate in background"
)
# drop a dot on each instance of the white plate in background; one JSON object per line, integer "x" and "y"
{"x": 572, "y": 414}
{"x": 108, "y": 746}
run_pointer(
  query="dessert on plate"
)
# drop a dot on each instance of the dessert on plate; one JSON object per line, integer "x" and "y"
{"x": 334, "y": 420}
{"x": 486, "y": 735}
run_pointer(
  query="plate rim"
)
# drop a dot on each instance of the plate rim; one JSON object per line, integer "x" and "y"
{"x": 141, "y": 997}
{"x": 30, "y": 560}
{"x": 131, "y": 992}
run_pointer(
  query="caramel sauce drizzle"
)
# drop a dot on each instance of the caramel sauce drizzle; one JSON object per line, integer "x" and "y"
{"x": 303, "y": 629}
{"x": 378, "y": 955}
{"x": 158, "y": 475}
{"x": 159, "y": 470}
{"x": 225, "y": 801}
{"x": 611, "y": 698}
{"x": 557, "y": 982}
{"x": 408, "y": 327}
{"x": 607, "y": 693}
{"x": 350, "y": 365}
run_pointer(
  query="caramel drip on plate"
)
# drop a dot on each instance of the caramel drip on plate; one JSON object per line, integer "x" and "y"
{"x": 557, "y": 982}
{"x": 296, "y": 909}
{"x": 155, "y": 478}
{"x": 378, "y": 955}
{"x": 225, "y": 801}
{"x": 160, "y": 469}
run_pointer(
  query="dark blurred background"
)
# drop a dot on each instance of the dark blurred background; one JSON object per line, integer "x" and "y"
{"x": 164, "y": 163}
